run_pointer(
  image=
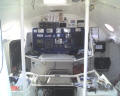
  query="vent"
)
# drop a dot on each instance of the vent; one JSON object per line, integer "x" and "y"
{"x": 56, "y": 10}
{"x": 77, "y": 0}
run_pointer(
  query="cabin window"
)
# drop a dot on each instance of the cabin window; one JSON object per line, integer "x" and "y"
{"x": 109, "y": 27}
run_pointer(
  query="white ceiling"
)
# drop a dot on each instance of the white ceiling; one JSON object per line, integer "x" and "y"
{"x": 6, "y": 3}
{"x": 36, "y": 7}
{"x": 40, "y": 2}
{"x": 105, "y": 11}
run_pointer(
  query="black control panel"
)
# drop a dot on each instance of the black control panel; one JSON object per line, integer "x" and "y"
{"x": 58, "y": 40}
{"x": 49, "y": 24}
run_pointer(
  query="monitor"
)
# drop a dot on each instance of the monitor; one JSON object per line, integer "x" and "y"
{"x": 63, "y": 24}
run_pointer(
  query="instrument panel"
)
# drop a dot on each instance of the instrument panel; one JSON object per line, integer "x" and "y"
{"x": 58, "y": 40}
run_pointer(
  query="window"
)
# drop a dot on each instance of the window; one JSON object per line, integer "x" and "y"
{"x": 109, "y": 27}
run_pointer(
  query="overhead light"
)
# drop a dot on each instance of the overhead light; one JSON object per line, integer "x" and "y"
{"x": 109, "y": 27}
{"x": 55, "y": 2}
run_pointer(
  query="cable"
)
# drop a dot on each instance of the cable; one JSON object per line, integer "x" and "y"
{"x": 1, "y": 48}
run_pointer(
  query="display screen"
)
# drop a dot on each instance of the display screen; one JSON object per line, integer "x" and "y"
{"x": 62, "y": 24}
{"x": 40, "y": 30}
{"x": 66, "y": 30}
{"x": 78, "y": 29}
{"x": 58, "y": 30}
{"x": 49, "y": 30}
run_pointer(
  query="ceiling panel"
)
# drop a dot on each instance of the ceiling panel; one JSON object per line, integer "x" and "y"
{"x": 113, "y": 3}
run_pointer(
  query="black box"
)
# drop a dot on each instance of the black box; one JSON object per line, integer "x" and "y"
{"x": 48, "y": 24}
{"x": 102, "y": 63}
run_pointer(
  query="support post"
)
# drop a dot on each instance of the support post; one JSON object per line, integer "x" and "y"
{"x": 86, "y": 46}
{"x": 4, "y": 77}
{"x": 22, "y": 44}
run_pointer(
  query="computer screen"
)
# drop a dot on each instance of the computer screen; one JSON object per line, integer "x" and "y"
{"x": 63, "y": 25}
